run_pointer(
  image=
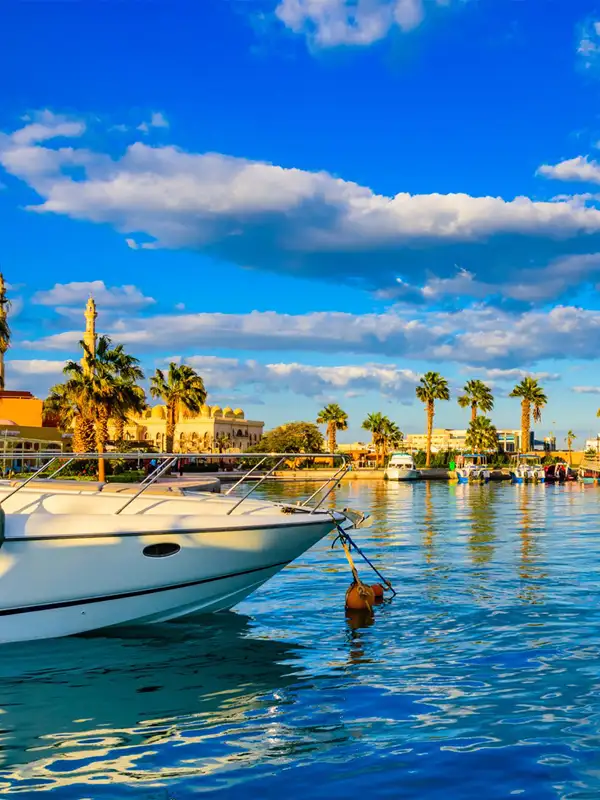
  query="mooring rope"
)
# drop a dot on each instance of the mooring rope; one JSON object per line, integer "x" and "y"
{"x": 348, "y": 542}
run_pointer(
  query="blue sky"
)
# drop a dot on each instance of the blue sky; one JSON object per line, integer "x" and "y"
{"x": 309, "y": 200}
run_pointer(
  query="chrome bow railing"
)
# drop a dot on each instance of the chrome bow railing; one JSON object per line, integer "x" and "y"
{"x": 166, "y": 461}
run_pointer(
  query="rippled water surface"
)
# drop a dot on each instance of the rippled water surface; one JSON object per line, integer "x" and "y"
{"x": 481, "y": 679}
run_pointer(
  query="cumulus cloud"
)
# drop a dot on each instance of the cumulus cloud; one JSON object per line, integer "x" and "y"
{"x": 514, "y": 375}
{"x": 315, "y": 225}
{"x": 586, "y": 389}
{"x": 588, "y": 48}
{"x": 305, "y": 379}
{"x": 157, "y": 120}
{"x": 330, "y": 23}
{"x": 33, "y": 375}
{"x": 580, "y": 168}
{"x": 76, "y": 293}
{"x": 479, "y": 336}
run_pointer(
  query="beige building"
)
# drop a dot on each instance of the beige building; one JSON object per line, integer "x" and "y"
{"x": 214, "y": 430}
{"x": 444, "y": 439}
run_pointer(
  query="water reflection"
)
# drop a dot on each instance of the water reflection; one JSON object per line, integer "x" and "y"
{"x": 107, "y": 698}
{"x": 532, "y": 526}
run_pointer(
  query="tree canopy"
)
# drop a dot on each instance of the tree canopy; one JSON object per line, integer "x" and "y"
{"x": 293, "y": 437}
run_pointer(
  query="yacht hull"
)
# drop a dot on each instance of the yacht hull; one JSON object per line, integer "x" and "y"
{"x": 53, "y": 586}
{"x": 400, "y": 474}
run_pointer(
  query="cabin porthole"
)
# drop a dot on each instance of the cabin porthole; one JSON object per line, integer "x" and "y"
{"x": 161, "y": 550}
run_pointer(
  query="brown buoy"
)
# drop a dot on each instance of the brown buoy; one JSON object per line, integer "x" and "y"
{"x": 359, "y": 596}
{"x": 377, "y": 589}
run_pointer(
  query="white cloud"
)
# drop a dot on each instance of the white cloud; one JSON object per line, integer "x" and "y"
{"x": 482, "y": 336}
{"x": 313, "y": 224}
{"x": 305, "y": 379}
{"x": 330, "y": 23}
{"x": 586, "y": 389}
{"x": 47, "y": 125}
{"x": 513, "y": 375}
{"x": 580, "y": 168}
{"x": 77, "y": 293}
{"x": 588, "y": 48}
{"x": 157, "y": 120}
{"x": 34, "y": 375}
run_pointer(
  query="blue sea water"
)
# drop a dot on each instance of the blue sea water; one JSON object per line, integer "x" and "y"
{"x": 481, "y": 678}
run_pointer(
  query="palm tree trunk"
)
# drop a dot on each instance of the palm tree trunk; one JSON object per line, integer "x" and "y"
{"x": 525, "y": 425}
{"x": 101, "y": 440}
{"x": 332, "y": 440}
{"x": 78, "y": 439}
{"x": 84, "y": 435}
{"x": 119, "y": 429}
{"x": 473, "y": 412}
{"x": 170, "y": 431}
{"x": 430, "y": 413}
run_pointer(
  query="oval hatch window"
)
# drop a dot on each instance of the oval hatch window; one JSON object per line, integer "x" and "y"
{"x": 161, "y": 550}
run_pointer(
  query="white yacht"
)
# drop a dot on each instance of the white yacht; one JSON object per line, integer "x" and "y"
{"x": 401, "y": 467}
{"x": 74, "y": 559}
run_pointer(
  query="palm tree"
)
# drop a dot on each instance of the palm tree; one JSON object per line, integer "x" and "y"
{"x": 63, "y": 405}
{"x": 478, "y": 397}
{"x": 570, "y": 437}
{"x": 183, "y": 392}
{"x": 376, "y": 424}
{"x": 392, "y": 437}
{"x": 482, "y": 435}
{"x": 532, "y": 395}
{"x": 432, "y": 387}
{"x": 384, "y": 434}
{"x": 336, "y": 420}
{"x": 135, "y": 404}
{"x": 104, "y": 386}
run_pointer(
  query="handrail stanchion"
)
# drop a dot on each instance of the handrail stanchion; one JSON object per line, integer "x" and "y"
{"x": 28, "y": 480}
{"x": 158, "y": 472}
{"x": 246, "y": 475}
{"x": 343, "y": 469}
{"x": 60, "y": 469}
{"x": 256, "y": 485}
{"x": 330, "y": 490}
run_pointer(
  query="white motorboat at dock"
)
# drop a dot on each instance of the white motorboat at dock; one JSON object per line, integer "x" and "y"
{"x": 527, "y": 468}
{"x": 76, "y": 558}
{"x": 473, "y": 468}
{"x": 401, "y": 467}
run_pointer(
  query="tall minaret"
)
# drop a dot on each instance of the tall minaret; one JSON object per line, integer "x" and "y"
{"x": 89, "y": 337}
{"x": 4, "y": 329}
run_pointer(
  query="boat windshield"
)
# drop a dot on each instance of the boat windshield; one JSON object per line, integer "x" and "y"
{"x": 477, "y": 459}
{"x": 401, "y": 460}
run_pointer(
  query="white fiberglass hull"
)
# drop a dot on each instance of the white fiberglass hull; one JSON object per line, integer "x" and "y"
{"x": 402, "y": 474}
{"x": 67, "y": 573}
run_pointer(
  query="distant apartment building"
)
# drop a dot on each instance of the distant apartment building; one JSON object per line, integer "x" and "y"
{"x": 593, "y": 444}
{"x": 454, "y": 439}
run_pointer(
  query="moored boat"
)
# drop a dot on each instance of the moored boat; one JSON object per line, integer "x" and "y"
{"x": 527, "y": 468}
{"x": 74, "y": 559}
{"x": 401, "y": 467}
{"x": 559, "y": 473}
{"x": 473, "y": 468}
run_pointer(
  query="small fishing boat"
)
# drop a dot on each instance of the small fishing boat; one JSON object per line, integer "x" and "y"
{"x": 527, "y": 468}
{"x": 559, "y": 473}
{"x": 76, "y": 558}
{"x": 401, "y": 467}
{"x": 473, "y": 468}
